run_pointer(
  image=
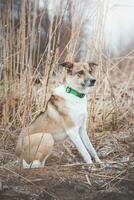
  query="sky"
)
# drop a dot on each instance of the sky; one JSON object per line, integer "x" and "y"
{"x": 118, "y": 26}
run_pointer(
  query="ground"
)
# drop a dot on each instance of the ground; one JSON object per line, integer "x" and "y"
{"x": 66, "y": 177}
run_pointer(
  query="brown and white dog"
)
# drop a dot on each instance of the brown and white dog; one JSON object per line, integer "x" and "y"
{"x": 65, "y": 115}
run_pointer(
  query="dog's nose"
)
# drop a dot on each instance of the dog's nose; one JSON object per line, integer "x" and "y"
{"x": 93, "y": 81}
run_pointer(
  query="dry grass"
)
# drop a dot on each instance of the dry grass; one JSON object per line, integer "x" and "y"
{"x": 28, "y": 60}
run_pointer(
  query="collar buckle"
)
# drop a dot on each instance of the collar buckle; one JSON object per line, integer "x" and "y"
{"x": 68, "y": 89}
{"x": 81, "y": 95}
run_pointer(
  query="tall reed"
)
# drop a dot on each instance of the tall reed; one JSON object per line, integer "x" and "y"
{"x": 31, "y": 47}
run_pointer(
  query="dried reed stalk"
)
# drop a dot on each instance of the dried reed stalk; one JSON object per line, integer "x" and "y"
{"x": 23, "y": 64}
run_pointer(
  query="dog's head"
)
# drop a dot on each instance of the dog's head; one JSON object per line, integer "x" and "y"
{"x": 79, "y": 75}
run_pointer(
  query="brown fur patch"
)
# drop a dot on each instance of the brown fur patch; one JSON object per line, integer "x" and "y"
{"x": 76, "y": 66}
{"x": 59, "y": 105}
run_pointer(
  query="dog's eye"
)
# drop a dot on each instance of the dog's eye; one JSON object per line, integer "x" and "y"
{"x": 81, "y": 72}
{"x": 90, "y": 71}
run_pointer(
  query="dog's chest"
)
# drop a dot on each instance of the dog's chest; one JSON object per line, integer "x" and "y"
{"x": 77, "y": 110}
{"x": 77, "y": 107}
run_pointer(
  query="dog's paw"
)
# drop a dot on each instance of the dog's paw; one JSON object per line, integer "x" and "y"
{"x": 98, "y": 161}
{"x": 34, "y": 164}
{"x": 100, "y": 164}
{"x": 25, "y": 164}
{"x": 92, "y": 168}
{"x": 37, "y": 164}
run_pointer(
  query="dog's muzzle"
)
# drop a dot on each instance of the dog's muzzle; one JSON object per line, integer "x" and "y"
{"x": 88, "y": 83}
{"x": 92, "y": 82}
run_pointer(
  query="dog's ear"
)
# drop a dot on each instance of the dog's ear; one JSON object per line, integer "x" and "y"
{"x": 92, "y": 64}
{"x": 67, "y": 65}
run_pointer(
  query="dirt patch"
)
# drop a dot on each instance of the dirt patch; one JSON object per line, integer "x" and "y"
{"x": 65, "y": 183}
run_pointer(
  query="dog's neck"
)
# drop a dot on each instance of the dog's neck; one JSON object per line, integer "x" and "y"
{"x": 77, "y": 88}
{"x": 74, "y": 92}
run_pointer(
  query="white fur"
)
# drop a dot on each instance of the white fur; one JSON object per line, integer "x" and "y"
{"x": 77, "y": 109}
{"x": 34, "y": 164}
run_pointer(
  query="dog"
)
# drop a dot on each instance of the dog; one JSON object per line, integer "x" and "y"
{"x": 65, "y": 116}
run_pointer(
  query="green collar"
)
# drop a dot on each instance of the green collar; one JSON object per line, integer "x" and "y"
{"x": 74, "y": 92}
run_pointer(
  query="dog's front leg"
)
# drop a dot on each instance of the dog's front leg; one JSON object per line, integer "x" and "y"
{"x": 75, "y": 138}
{"x": 88, "y": 144}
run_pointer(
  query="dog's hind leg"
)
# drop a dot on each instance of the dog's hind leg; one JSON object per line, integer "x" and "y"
{"x": 36, "y": 149}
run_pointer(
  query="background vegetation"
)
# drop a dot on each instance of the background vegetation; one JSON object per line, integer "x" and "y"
{"x": 32, "y": 43}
